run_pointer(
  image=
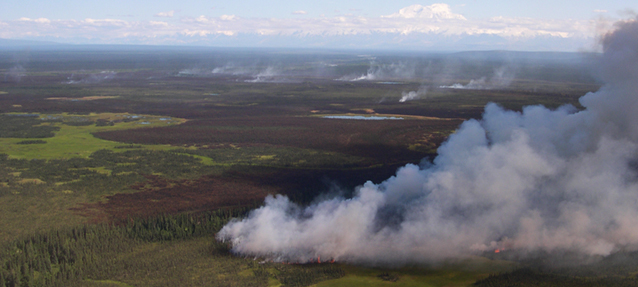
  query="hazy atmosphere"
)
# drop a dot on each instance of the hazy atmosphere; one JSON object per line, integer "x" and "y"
{"x": 534, "y": 180}
{"x": 454, "y": 25}
{"x": 318, "y": 143}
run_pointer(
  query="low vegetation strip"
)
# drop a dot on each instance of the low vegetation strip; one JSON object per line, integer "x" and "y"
{"x": 529, "y": 277}
{"x": 24, "y": 126}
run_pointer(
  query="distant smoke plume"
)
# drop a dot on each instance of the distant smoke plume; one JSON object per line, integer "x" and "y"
{"x": 502, "y": 78}
{"x": 270, "y": 74}
{"x": 91, "y": 78}
{"x": 413, "y": 95}
{"x": 230, "y": 69}
{"x": 249, "y": 74}
{"x": 16, "y": 73}
{"x": 393, "y": 71}
{"x": 538, "y": 180}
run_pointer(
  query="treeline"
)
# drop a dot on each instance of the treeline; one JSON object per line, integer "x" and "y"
{"x": 64, "y": 257}
{"x": 307, "y": 274}
{"x": 532, "y": 278}
{"x": 24, "y": 126}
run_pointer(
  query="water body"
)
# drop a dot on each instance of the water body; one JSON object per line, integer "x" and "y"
{"x": 368, "y": 118}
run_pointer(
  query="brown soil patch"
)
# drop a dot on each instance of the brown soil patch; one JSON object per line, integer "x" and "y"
{"x": 92, "y": 98}
{"x": 386, "y": 141}
{"x": 159, "y": 195}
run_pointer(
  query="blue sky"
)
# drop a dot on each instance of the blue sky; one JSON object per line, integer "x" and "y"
{"x": 144, "y": 10}
{"x": 470, "y": 24}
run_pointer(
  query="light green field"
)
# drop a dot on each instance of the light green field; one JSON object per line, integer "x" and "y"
{"x": 77, "y": 141}
{"x": 458, "y": 274}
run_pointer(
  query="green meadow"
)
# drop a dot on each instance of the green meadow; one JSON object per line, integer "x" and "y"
{"x": 73, "y": 140}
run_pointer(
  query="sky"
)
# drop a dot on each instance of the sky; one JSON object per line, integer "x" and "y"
{"x": 400, "y": 24}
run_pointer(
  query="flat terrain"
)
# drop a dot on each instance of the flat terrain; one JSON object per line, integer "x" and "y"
{"x": 136, "y": 146}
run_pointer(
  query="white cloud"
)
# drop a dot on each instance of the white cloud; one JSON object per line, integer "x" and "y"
{"x": 416, "y": 25}
{"x": 300, "y": 12}
{"x": 192, "y": 33}
{"x": 106, "y": 22}
{"x": 39, "y": 20}
{"x": 600, "y": 11}
{"x": 228, "y": 17}
{"x": 165, "y": 14}
{"x": 159, "y": 23}
{"x": 434, "y": 11}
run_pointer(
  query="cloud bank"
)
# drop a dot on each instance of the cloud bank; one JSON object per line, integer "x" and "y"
{"x": 415, "y": 26}
{"x": 165, "y": 14}
{"x": 536, "y": 180}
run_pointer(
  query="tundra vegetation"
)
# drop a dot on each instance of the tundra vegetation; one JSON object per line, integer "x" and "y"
{"x": 117, "y": 167}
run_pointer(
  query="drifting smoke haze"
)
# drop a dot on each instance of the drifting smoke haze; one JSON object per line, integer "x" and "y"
{"x": 16, "y": 73}
{"x": 538, "y": 180}
{"x": 383, "y": 72}
{"x": 91, "y": 78}
{"x": 269, "y": 74}
{"x": 230, "y": 69}
{"x": 413, "y": 95}
{"x": 502, "y": 78}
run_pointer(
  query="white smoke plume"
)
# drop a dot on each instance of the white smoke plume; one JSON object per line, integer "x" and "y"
{"x": 502, "y": 78}
{"x": 270, "y": 74}
{"x": 16, "y": 73}
{"x": 230, "y": 69}
{"x": 192, "y": 72}
{"x": 393, "y": 71}
{"x": 413, "y": 95}
{"x": 536, "y": 180}
{"x": 92, "y": 78}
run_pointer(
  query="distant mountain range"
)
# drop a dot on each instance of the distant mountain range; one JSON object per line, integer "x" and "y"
{"x": 22, "y": 44}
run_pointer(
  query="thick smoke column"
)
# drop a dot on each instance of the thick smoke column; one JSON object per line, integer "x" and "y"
{"x": 540, "y": 180}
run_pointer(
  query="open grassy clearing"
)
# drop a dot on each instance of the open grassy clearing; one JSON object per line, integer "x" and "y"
{"x": 74, "y": 137}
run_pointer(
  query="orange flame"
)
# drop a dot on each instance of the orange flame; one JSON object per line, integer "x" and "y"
{"x": 318, "y": 259}
{"x": 497, "y": 251}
